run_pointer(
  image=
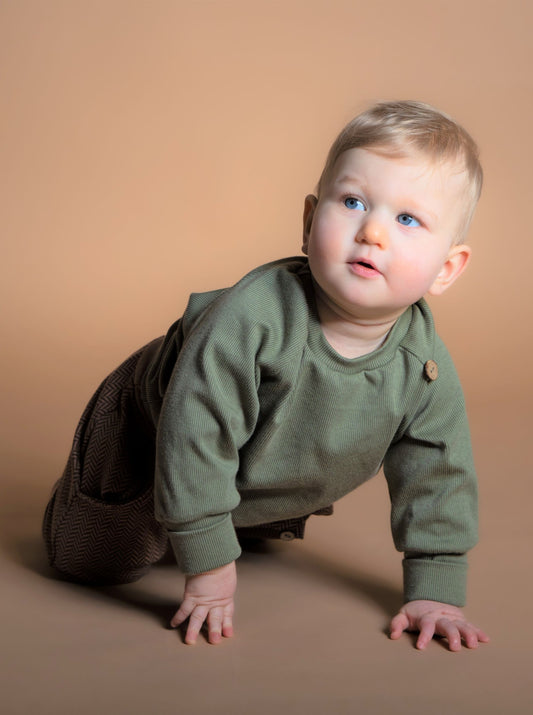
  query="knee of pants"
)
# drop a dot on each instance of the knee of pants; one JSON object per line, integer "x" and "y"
{"x": 102, "y": 544}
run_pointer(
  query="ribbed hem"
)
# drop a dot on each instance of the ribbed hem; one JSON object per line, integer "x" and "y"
{"x": 206, "y": 549}
{"x": 434, "y": 580}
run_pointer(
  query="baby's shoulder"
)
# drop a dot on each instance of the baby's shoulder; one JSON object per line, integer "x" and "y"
{"x": 426, "y": 348}
{"x": 273, "y": 292}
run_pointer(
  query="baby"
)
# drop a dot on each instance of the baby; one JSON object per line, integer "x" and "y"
{"x": 269, "y": 400}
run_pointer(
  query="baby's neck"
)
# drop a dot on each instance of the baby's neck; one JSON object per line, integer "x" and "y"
{"x": 349, "y": 337}
{"x": 352, "y": 344}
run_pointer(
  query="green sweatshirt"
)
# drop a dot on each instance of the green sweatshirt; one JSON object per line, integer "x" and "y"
{"x": 259, "y": 419}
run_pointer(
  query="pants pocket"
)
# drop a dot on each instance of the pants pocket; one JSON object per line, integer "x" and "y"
{"x": 101, "y": 543}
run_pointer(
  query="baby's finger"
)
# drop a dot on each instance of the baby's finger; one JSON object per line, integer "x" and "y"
{"x": 482, "y": 636}
{"x": 214, "y": 625}
{"x": 227, "y": 622}
{"x": 472, "y": 635}
{"x": 450, "y": 631}
{"x": 398, "y": 625}
{"x": 182, "y": 613}
{"x": 469, "y": 634}
{"x": 427, "y": 631}
{"x": 196, "y": 620}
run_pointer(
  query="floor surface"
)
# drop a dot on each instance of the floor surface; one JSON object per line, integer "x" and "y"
{"x": 311, "y": 622}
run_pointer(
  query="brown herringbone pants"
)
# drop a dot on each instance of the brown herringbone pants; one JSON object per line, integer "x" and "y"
{"x": 99, "y": 525}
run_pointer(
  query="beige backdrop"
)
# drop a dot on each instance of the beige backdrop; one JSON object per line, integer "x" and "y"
{"x": 151, "y": 149}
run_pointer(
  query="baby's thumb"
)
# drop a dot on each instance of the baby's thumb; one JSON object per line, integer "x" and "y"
{"x": 398, "y": 625}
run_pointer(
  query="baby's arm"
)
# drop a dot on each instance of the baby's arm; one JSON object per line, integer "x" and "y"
{"x": 433, "y": 618}
{"x": 208, "y": 597}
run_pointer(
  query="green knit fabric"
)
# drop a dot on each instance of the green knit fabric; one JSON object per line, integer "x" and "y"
{"x": 259, "y": 419}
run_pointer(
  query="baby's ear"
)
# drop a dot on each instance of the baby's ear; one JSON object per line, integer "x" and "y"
{"x": 455, "y": 264}
{"x": 309, "y": 210}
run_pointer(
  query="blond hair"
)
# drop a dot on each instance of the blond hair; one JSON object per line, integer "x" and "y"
{"x": 398, "y": 128}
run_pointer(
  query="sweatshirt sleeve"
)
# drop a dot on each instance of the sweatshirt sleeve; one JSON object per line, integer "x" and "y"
{"x": 433, "y": 490}
{"x": 209, "y": 411}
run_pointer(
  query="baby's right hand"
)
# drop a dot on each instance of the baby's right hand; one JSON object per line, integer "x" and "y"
{"x": 208, "y": 597}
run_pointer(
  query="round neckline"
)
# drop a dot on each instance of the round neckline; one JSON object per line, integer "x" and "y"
{"x": 320, "y": 347}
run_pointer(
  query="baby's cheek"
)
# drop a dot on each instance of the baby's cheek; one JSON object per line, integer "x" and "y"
{"x": 411, "y": 268}
{"x": 414, "y": 276}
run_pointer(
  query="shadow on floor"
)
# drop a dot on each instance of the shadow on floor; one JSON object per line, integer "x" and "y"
{"x": 21, "y": 541}
{"x": 365, "y": 585}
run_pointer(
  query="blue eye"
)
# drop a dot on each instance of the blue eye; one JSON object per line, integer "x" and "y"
{"x": 407, "y": 220}
{"x": 353, "y": 203}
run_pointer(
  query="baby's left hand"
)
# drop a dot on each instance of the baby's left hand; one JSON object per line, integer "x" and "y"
{"x": 434, "y": 618}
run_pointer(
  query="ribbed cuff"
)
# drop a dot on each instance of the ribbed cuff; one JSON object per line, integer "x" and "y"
{"x": 435, "y": 580}
{"x": 205, "y": 549}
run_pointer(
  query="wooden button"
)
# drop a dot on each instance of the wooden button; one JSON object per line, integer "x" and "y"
{"x": 431, "y": 370}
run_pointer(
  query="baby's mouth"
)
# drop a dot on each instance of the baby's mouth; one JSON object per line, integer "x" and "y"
{"x": 364, "y": 268}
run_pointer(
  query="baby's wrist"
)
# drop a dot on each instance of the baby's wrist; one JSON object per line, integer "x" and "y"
{"x": 213, "y": 572}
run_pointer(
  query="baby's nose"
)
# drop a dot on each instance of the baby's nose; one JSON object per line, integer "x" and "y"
{"x": 374, "y": 232}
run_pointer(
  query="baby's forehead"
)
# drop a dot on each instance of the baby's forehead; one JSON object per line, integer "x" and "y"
{"x": 417, "y": 158}
{"x": 419, "y": 165}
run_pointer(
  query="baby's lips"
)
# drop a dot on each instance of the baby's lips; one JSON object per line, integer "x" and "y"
{"x": 364, "y": 267}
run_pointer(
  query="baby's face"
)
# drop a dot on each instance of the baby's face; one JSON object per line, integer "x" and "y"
{"x": 381, "y": 234}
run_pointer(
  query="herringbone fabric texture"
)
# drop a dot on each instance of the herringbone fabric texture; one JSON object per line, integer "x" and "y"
{"x": 99, "y": 526}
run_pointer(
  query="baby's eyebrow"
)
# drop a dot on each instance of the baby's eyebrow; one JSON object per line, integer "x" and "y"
{"x": 348, "y": 179}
